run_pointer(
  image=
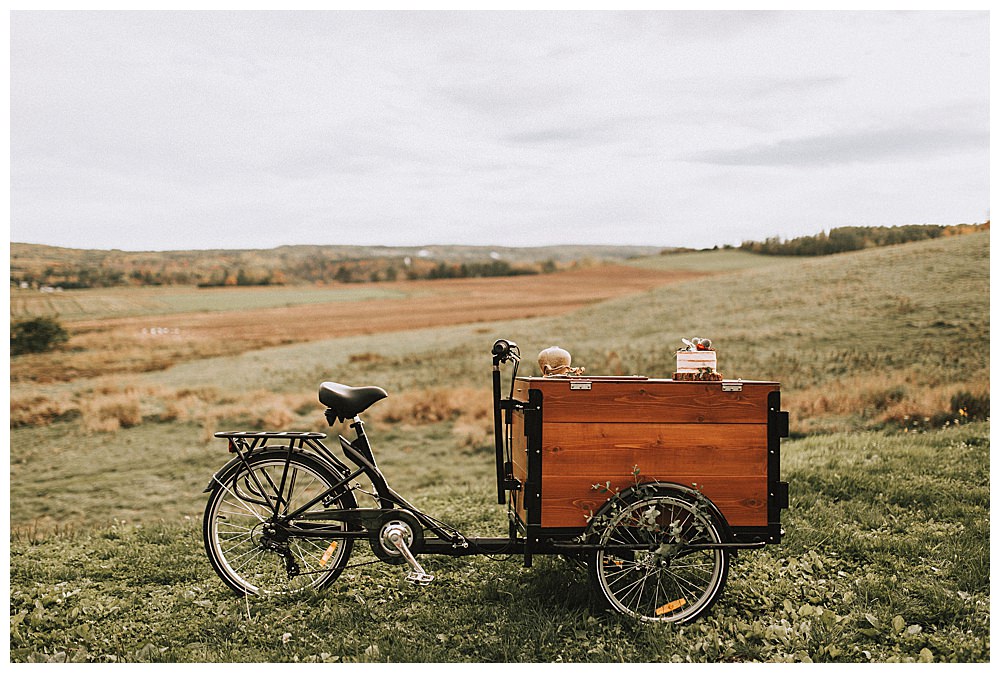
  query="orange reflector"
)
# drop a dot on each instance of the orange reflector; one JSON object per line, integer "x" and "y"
{"x": 670, "y": 607}
{"x": 328, "y": 553}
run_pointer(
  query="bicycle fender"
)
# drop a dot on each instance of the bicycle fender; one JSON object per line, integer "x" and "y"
{"x": 685, "y": 491}
{"x": 224, "y": 473}
{"x": 228, "y": 470}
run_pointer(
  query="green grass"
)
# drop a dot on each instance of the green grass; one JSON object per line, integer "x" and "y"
{"x": 711, "y": 261}
{"x": 101, "y": 303}
{"x": 886, "y": 556}
{"x": 855, "y": 339}
{"x": 885, "y": 559}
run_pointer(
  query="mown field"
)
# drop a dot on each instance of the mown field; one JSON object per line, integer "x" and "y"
{"x": 152, "y": 330}
{"x": 130, "y": 302}
{"x": 712, "y": 261}
{"x": 886, "y": 556}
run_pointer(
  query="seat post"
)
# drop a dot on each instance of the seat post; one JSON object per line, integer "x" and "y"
{"x": 361, "y": 443}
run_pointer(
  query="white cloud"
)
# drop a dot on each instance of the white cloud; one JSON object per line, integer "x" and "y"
{"x": 205, "y": 129}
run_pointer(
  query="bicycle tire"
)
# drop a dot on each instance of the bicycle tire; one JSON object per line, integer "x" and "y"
{"x": 664, "y": 581}
{"x": 236, "y": 515}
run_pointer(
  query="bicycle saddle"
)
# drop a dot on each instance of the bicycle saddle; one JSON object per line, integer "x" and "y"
{"x": 347, "y": 402}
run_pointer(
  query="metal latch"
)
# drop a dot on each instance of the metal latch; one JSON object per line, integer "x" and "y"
{"x": 732, "y": 386}
{"x": 579, "y": 385}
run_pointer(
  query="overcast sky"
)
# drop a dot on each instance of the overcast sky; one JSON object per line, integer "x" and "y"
{"x": 147, "y": 131}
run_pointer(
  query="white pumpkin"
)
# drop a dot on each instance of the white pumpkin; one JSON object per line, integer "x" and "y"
{"x": 554, "y": 360}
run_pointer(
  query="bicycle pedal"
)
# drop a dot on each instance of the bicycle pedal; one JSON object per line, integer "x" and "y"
{"x": 419, "y": 578}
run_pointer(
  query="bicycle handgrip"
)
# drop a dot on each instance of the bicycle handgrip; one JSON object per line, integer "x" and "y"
{"x": 502, "y": 346}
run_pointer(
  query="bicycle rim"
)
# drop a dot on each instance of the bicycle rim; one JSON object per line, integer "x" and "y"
{"x": 663, "y": 580}
{"x": 237, "y": 515}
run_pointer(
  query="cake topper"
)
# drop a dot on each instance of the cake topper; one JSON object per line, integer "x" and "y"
{"x": 697, "y": 344}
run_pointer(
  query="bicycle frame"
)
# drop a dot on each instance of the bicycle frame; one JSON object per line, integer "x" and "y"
{"x": 362, "y": 521}
{"x": 449, "y": 541}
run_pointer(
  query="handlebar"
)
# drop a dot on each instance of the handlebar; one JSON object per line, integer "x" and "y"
{"x": 504, "y": 350}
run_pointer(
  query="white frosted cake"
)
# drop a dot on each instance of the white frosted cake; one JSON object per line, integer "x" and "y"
{"x": 693, "y": 362}
{"x": 695, "y": 365}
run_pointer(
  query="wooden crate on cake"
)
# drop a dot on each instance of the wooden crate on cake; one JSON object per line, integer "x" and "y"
{"x": 570, "y": 433}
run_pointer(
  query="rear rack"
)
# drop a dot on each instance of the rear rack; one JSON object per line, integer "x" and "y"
{"x": 270, "y": 435}
{"x": 245, "y": 441}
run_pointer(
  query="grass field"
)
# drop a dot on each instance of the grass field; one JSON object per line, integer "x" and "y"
{"x": 886, "y": 559}
{"x": 712, "y": 261}
{"x": 268, "y": 317}
{"x": 886, "y": 556}
{"x": 127, "y": 302}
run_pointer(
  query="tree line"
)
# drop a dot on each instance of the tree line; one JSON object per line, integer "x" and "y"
{"x": 846, "y": 239}
{"x": 315, "y": 269}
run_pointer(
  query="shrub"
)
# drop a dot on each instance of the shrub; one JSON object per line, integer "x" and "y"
{"x": 111, "y": 412}
{"x": 884, "y": 398}
{"x": 435, "y": 405}
{"x": 40, "y": 410}
{"x": 973, "y": 407}
{"x": 36, "y": 336}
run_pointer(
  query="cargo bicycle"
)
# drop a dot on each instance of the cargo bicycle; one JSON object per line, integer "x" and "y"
{"x": 652, "y": 484}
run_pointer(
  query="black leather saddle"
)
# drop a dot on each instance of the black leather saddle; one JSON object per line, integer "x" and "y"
{"x": 347, "y": 402}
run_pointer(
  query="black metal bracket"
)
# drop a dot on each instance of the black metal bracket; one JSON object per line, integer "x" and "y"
{"x": 777, "y": 490}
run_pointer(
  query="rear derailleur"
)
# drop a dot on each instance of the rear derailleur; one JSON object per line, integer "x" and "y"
{"x": 275, "y": 539}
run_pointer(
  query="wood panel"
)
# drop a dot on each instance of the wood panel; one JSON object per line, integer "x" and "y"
{"x": 567, "y": 501}
{"x": 674, "y": 431}
{"x": 596, "y": 449}
{"x": 523, "y": 383}
{"x": 650, "y": 401}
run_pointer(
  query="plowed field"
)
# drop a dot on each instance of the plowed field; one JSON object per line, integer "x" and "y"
{"x": 147, "y": 343}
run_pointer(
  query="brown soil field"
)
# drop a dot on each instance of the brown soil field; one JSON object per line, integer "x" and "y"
{"x": 122, "y": 345}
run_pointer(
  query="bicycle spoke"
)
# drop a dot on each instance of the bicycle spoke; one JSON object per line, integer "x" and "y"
{"x": 257, "y": 552}
{"x": 661, "y": 582}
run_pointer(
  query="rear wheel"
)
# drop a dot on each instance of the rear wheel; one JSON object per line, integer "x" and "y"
{"x": 249, "y": 545}
{"x": 647, "y": 567}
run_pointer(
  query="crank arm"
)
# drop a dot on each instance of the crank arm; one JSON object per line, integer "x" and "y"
{"x": 417, "y": 575}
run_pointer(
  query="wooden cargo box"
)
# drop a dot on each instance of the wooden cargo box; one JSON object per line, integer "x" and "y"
{"x": 570, "y": 433}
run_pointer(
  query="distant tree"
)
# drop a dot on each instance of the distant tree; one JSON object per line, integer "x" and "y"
{"x": 343, "y": 274}
{"x": 845, "y": 239}
{"x": 37, "y": 335}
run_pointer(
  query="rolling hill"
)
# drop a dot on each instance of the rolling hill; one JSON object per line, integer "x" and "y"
{"x": 885, "y": 559}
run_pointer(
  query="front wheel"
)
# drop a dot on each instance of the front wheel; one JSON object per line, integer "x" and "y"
{"x": 650, "y": 565}
{"x": 249, "y": 544}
